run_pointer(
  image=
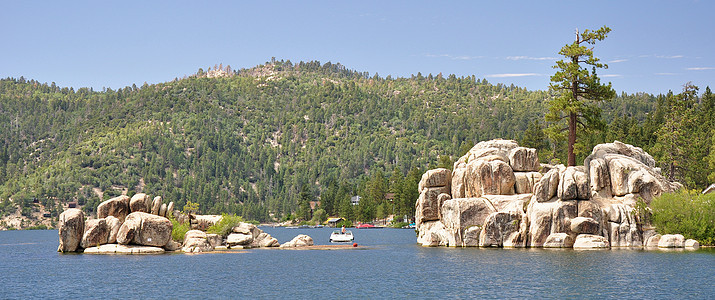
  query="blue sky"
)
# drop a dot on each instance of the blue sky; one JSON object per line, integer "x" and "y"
{"x": 655, "y": 46}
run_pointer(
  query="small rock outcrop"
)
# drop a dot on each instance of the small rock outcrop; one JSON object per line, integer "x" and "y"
{"x": 264, "y": 240}
{"x": 501, "y": 196}
{"x": 203, "y": 222}
{"x": 196, "y": 241}
{"x": 301, "y": 240}
{"x": 71, "y": 230}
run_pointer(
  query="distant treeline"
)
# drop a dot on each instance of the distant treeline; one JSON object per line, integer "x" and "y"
{"x": 264, "y": 142}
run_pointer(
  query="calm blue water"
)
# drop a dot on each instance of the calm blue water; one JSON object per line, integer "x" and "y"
{"x": 393, "y": 267}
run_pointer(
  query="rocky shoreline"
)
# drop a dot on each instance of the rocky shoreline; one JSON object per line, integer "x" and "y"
{"x": 499, "y": 195}
{"x": 141, "y": 225}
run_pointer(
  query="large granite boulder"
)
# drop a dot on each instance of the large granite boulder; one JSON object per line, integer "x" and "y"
{"x": 264, "y": 240}
{"x": 156, "y": 205}
{"x": 458, "y": 180}
{"x": 623, "y": 227}
{"x": 96, "y": 232}
{"x": 239, "y": 239}
{"x": 500, "y": 227}
{"x": 540, "y": 216}
{"x": 590, "y": 209}
{"x": 113, "y": 224}
{"x": 428, "y": 205}
{"x": 140, "y": 203}
{"x": 524, "y": 159}
{"x": 248, "y": 229}
{"x": 563, "y": 213}
{"x": 117, "y": 207}
{"x": 300, "y": 240}
{"x": 691, "y": 244}
{"x": 590, "y": 241}
{"x": 142, "y": 228}
{"x": 671, "y": 241}
{"x": 488, "y": 177}
{"x": 547, "y": 187}
{"x": 493, "y": 148}
{"x": 172, "y": 245}
{"x": 71, "y": 230}
{"x": 509, "y": 203}
{"x": 435, "y": 178}
{"x": 525, "y": 182}
{"x": 486, "y": 169}
{"x": 215, "y": 240}
{"x": 471, "y": 236}
{"x": 434, "y": 233}
{"x": 162, "y": 210}
{"x": 617, "y": 169}
{"x": 203, "y": 222}
{"x": 652, "y": 241}
{"x": 559, "y": 240}
{"x": 585, "y": 225}
{"x": 170, "y": 210}
{"x": 573, "y": 184}
{"x": 462, "y": 213}
{"x": 196, "y": 241}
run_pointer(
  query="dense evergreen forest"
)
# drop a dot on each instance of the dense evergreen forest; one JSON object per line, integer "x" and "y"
{"x": 264, "y": 142}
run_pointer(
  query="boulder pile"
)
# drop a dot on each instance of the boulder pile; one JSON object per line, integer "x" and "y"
{"x": 499, "y": 195}
{"x": 140, "y": 225}
{"x": 137, "y": 222}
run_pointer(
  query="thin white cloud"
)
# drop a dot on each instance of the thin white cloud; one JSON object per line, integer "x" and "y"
{"x": 700, "y": 68}
{"x": 466, "y": 57}
{"x": 506, "y": 75}
{"x": 617, "y": 61}
{"x": 662, "y": 56}
{"x": 454, "y": 57}
{"x": 530, "y": 58}
{"x": 667, "y": 74}
{"x": 436, "y": 55}
{"x": 611, "y": 75}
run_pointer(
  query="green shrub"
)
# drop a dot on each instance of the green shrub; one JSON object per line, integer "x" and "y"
{"x": 399, "y": 224}
{"x": 224, "y": 226}
{"x": 179, "y": 230}
{"x": 37, "y": 227}
{"x": 345, "y": 223}
{"x": 688, "y": 213}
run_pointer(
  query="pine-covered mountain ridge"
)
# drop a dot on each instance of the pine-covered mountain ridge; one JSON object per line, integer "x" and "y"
{"x": 266, "y": 141}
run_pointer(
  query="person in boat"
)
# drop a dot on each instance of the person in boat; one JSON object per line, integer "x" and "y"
{"x": 343, "y": 230}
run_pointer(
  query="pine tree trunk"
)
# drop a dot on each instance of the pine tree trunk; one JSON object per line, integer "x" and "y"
{"x": 572, "y": 139}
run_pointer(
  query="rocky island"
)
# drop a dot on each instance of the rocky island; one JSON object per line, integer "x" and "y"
{"x": 499, "y": 195}
{"x": 141, "y": 225}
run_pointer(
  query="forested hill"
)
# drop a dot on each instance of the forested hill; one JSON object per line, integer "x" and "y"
{"x": 262, "y": 142}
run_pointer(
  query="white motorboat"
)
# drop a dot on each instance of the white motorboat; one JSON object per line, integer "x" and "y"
{"x": 338, "y": 236}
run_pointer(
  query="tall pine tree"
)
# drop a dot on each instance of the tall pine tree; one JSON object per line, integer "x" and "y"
{"x": 578, "y": 90}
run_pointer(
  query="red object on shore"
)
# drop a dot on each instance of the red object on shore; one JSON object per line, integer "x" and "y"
{"x": 354, "y": 244}
{"x": 362, "y": 226}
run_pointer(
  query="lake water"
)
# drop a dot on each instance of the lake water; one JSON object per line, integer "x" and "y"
{"x": 392, "y": 266}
